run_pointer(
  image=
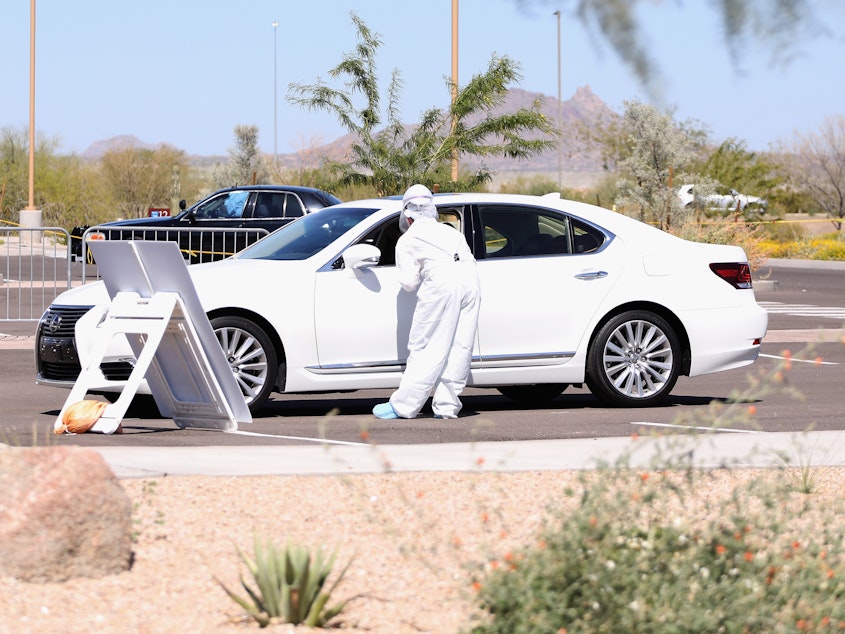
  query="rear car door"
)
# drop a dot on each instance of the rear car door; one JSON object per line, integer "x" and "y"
{"x": 543, "y": 275}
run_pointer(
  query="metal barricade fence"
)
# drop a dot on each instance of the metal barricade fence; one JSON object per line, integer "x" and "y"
{"x": 196, "y": 245}
{"x": 36, "y": 267}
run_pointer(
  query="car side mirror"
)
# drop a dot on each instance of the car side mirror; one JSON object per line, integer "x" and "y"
{"x": 361, "y": 256}
{"x": 182, "y": 205}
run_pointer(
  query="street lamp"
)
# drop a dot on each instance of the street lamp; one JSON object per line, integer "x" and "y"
{"x": 275, "y": 101}
{"x": 559, "y": 115}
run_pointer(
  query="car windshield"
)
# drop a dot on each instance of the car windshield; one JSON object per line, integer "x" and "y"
{"x": 306, "y": 236}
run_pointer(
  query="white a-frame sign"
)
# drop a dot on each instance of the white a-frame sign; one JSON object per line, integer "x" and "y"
{"x": 154, "y": 305}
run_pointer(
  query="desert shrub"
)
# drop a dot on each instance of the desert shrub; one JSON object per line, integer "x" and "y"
{"x": 827, "y": 247}
{"x": 726, "y": 232}
{"x": 781, "y": 231}
{"x": 639, "y": 553}
{"x": 540, "y": 185}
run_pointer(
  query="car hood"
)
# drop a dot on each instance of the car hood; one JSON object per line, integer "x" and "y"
{"x": 217, "y": 283}
{"x": 161, "y": 221}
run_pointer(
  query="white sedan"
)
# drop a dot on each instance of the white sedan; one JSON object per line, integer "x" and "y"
{"x": 731, "y": 201}
{"x": 571, "y": 294}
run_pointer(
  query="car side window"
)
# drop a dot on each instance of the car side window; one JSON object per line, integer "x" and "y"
{"x": 452, "y": 216}
{"x": 228, "y": 205}
{"x": 295, "y": 208}
{"x": 269, "y": 205}
{"x": 585, "y": 239}
{"x": 513, "y": 231}
{"x": 387, "y": 234}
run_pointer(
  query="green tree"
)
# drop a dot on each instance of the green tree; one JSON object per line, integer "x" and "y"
{"x": 57, "y": 181}
{"x": 73, "y": 193}
{"x": 246, "y": 165}
{"x": 390, "y": 156}
{"x": 14, "y": 163}
{"x": 733, "y": 166}
{"x": 138, "y": 179}
{"x": 653, "y": 155}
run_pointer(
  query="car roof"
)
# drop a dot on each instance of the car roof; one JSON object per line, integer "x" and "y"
{"x": 286, "y": 188}
{"x": 608, "y": 219}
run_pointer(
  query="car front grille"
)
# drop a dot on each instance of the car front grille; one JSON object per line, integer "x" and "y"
{"x": 116, "y": 370}
{"x": 57, "y": 359}
{"x": 60, "y": 321}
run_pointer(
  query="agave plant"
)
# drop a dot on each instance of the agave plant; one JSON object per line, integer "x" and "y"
{"x": 290, "y": 585}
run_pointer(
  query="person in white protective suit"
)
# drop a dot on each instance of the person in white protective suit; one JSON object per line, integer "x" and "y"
{"x": 434, "y": 260}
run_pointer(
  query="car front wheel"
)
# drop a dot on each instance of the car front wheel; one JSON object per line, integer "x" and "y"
{"x": 251, "y": 356}
{"x": 633, "y": 361}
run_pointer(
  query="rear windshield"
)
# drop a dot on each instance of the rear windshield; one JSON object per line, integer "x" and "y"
{"x": 306, "y": 236}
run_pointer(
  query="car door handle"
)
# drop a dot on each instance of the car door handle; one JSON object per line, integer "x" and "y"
{"x": 591, "y": 275}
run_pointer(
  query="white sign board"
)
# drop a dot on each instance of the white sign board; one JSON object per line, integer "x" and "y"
{"x": 156, "y": 307}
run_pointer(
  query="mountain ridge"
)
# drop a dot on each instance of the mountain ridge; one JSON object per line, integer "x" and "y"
{"x": 583, "y": 108}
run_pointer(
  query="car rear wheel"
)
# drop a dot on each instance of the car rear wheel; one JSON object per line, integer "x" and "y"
{"x": 536, "y": 393}
{"x": 634, "y": 359}
{"x": 251, "y": 356}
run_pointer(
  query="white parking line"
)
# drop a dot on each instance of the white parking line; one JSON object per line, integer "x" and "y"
{"x": 711, "y": 429}
{"x": 813, "y": 361}
{"x": 325, "y": 441}
{"x": 803, "y": 310}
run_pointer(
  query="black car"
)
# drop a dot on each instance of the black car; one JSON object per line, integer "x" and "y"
{"x": 217, "y": 226}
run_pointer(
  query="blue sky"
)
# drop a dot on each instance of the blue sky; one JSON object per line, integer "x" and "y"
{"x": 186, "y": 73}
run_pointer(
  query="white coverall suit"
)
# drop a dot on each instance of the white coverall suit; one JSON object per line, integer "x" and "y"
{"x": 435, "y": 260}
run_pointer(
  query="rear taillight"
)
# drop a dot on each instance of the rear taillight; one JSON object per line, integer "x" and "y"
{"x": 737, "y": 274}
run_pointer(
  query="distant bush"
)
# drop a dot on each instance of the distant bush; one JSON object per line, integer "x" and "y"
{"x": 830, "y": 246}
{"x": 727, "y": 232}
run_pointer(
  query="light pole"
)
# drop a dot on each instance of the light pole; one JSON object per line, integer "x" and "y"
{"x": 30, "y": 217}
{"x": 454, "y": 85}
{"x": 559, "y": 115}
{"x": 275, "y": 101}
{"x": 31, "y": 205}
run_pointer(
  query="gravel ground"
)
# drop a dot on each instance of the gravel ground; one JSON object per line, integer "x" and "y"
{"x": 413, "y": 538}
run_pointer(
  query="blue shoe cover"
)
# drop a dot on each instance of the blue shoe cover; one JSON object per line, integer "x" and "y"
{"x": 385, "y": 410}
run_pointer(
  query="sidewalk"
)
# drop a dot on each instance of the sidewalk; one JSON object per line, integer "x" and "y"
{"x": 710, "y": 450}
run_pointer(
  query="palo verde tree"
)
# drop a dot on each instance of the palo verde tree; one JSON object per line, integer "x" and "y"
{"x": 388, "y": 155}
{"x": 779, "y": 27}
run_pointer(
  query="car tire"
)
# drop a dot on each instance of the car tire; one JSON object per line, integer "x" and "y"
{"x": 535, "y": 393}
{"x": 633, "y": 360}
{"x": 251, "y": 356}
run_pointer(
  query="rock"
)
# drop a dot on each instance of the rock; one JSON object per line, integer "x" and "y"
{"x": 63, "y": 514}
